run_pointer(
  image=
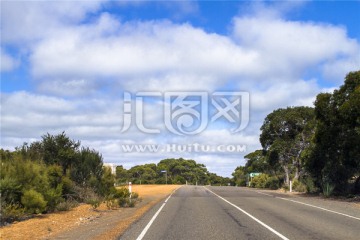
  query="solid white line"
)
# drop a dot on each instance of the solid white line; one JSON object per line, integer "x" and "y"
{"x": 310, "y": 205}
{"x": 251, "y": 216}
{"x": 324, "y": 209}
{"x": 142, "y": 234}
{"x": 266, "y": 194}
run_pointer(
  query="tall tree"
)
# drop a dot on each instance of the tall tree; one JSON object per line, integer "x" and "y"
{"x": 286, "y": 133}
{"x": 336, "y": 153}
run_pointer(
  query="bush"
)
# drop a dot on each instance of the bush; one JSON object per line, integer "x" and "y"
{"x": 124, "y": 199}
{"x": 310, "y": 185}
{"x": 33, "y": 201}
{"x": 53, "y": 197}
{"x": 11, "y": 212}
{"x": 260, "y": 181}
{"x": 273, "y": 183}
{"x": 298, "y": 186}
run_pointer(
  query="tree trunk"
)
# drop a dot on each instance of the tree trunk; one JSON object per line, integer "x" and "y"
{"x": 287, "y": 179}
{"x": 296, "y": 177}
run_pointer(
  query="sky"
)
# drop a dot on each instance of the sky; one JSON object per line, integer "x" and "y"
{"x": 67, "y": 65}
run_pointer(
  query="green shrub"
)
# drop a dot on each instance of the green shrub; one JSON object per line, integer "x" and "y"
{"x": 328, "y": 189}
{"x": 134, "y": 195}
{"x": 11, "y": 212}
{"x": 298, "y": 186}
{"x": 122, "y": 192}
{"x": 33, "y": 201}
{"x": 273, "y": 183}
{"x": 53, "y": 197}
{"x": 310, "y": 185}
{"x": 124, "y": 199}
{"x": 260, "y": 181}
{"x": 94, "y": 202}
{"x": 10, "y": 190}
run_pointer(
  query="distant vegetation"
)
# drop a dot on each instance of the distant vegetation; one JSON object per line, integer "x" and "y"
{"x": 317, "y": 148}
{"x": 172, "y": 171}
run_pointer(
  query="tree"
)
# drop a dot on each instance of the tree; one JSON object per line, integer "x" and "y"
{"x": 59, "y": 149}
{"x": 286, "y": 133}
{"x": 88, "y": 163}
{"x": 335, "y": 156}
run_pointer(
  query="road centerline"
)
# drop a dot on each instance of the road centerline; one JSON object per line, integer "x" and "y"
{"x": 251, "y": 216}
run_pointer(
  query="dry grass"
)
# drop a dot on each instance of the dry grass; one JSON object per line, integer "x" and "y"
{"x": 51, "y": 225}
{"x": 151, "y": 190}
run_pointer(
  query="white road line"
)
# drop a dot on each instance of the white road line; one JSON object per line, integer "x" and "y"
{"x": 251, "y": 216}
{"x": 142, "y": 234}
{"x": 310, "y": 205}
{"x": 324, "y": 209}
{"x": 266, "y": 194}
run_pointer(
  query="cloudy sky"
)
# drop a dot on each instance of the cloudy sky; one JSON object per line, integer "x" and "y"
{"x": 66, "y": 65}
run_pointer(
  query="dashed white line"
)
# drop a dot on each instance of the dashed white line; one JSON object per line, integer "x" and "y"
{"x": 142, "y": 234}
{"x": 251, "y": 216}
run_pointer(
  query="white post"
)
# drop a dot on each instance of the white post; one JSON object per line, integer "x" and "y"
{"x": 290, "y": 186}
{"x": 130, "y": 188}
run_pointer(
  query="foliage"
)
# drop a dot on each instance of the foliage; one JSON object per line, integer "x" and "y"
{"x": 298, "y": 186}
{"x": 178, "y": 171}
{"x": 333, "y": 163}
{"x": 66, "y": 205}
{"x": 51, "y": 174}
{"x": 286, "y": 134}
{"x": 11, "y": 212}
{"x": 33, "y": 201}
{"x": 265, "y": 181}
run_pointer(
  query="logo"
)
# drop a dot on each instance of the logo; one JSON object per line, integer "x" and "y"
{"x": 189, "y": 113}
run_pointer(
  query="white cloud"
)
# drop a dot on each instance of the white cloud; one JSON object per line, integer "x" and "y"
{"x": 287, "y": 48}
{"x": 162, "y": 53}
{"x": 7, "y": 63}
{"x": 24, "y": 21}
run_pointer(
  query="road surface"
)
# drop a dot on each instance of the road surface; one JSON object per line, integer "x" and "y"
{"x": 197, "y": 212}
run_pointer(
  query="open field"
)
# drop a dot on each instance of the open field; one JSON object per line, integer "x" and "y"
{"x": 83, "y": 222}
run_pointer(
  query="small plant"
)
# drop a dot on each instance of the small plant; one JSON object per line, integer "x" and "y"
{"x": 67, "y": 205}
{"x": 94, "y": 202}
{"x": 110, "y": 201}
{"x": 328, "y": 189}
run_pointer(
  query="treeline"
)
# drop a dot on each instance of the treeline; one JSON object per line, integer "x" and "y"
{"x": 54, "y": 174}
{"x": 171, "y": 171}
{"x": 317, "y": 148}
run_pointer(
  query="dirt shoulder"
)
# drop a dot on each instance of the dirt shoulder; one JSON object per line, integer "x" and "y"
{"x": 83, "y": 222}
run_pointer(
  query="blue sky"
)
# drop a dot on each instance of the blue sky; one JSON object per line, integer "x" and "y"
{"x": 65, "y": 66}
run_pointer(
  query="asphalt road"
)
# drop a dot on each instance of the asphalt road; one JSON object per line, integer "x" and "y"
{"x": 197, "y": 212}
